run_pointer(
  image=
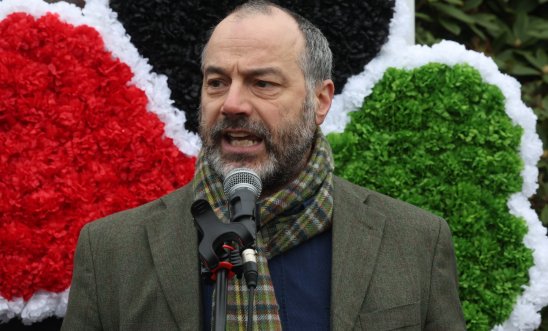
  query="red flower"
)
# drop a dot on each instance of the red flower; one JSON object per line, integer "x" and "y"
{"x": 76, "y": 144}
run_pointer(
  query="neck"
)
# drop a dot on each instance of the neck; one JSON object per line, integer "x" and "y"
{"x": 277, "y": 185}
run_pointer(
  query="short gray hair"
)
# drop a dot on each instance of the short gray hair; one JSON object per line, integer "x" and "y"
{"x": 316, "y": 60}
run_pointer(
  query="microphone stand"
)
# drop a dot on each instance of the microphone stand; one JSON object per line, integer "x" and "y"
{"x": 220, "y": 301}
{"x": 221, "y": 241}
{"x": 219, "y": 260}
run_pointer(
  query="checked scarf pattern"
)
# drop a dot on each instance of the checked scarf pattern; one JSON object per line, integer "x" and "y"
{"x": 289, "y": 217}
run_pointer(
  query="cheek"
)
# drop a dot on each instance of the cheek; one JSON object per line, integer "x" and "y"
{"x": 208, "y": 114}
{"x": 273, "y": 116}
{"x": 280, "y": 118}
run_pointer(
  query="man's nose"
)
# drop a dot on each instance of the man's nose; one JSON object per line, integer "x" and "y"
{"x": 237, "y": 101}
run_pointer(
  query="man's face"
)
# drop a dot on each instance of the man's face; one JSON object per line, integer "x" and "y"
{"x": 255, "y": 111}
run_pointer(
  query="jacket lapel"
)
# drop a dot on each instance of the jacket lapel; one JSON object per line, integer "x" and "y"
{"x": 173, "y": 244}
{"x": 357, "y": 233}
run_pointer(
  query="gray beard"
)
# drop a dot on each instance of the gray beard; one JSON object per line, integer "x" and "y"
{"x": 285, "y": 159}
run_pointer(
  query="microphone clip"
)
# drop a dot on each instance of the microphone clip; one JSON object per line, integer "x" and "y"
{"x": 220, "y": 244}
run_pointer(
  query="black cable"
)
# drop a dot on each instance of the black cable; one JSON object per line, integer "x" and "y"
{"x": 220, "y": 301}
{"x": 250, "y": 305}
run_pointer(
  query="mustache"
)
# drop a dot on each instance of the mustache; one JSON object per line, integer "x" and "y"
{"x": 256, "y": 128}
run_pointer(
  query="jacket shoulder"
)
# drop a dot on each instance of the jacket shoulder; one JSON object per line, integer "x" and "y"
{"x": 381, "y": 202}
{"x": 391, "y": 208}
{"x": 172, "y": 202}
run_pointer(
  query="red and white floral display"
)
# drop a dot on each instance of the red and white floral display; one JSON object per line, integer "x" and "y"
{"x": 78, "y": 141}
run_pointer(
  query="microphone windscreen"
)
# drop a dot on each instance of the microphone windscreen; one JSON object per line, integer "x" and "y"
{"x": 242, "y": 178}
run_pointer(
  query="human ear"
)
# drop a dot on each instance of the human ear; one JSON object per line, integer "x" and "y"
{"x": 324, "y": 97}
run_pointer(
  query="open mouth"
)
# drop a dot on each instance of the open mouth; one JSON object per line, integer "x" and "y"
{"x": 241, "y": 139}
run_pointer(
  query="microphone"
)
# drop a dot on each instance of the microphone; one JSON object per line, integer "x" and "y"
{"x": 243, "y": 186}
{"x": 220, "y": 243}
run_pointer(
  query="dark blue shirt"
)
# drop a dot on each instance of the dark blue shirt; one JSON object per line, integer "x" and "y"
{"x": 302, "y": 282}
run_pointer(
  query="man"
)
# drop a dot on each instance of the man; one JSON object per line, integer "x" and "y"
{"x": 331, "y": 255}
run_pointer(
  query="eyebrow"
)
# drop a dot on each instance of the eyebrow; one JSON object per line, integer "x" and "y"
{"x": 214, "y": 70}
{"x": 251, "y": 72}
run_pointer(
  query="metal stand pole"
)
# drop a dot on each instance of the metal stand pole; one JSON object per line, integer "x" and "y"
{"x": 220, "y": 301}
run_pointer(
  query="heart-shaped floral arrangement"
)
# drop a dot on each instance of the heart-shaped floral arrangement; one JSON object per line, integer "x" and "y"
{"x": 76, "y": 143}
{"x": 86, "y": 129}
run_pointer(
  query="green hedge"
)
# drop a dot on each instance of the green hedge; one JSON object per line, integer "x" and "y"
{"x": 439, "y": 138}
{"x": 514, "y": 33}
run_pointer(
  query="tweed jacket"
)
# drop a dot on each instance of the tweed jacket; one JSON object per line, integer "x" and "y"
{"x": 393, "y": 267}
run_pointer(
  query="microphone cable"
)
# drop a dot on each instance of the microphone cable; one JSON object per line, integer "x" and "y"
{"x": 251, "y": 275}
{"x": 243, "y": 187}
{"x": 250, "y": 309}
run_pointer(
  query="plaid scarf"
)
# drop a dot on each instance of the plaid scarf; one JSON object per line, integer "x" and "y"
{"x": 289, "y": 217}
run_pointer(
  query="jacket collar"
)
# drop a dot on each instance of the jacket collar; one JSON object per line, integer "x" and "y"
{"x": 357, "y": 233}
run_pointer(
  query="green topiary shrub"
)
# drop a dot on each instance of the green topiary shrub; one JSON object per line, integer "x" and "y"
{"x": 438, "y": 137}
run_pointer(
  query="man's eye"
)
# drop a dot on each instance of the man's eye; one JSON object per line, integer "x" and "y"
{"x": 263, "y": 84}
{"x": 215, "y": 83}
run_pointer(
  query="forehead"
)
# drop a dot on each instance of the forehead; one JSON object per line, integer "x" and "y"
{"x": 255, "y": 38}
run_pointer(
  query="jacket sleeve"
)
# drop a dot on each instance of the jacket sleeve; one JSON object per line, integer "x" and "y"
{"x": 444, "y": 309}
{"x": 82, "y": 311}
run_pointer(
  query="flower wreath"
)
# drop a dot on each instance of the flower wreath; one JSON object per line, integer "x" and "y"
{"x": 397, "y": 67}
{"x": 134, "y": 142}
{"x": 86, "y": 130}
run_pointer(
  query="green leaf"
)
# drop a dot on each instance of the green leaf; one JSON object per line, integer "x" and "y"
{"x": 425, "y": 37}
{"x": 505, "y": 56}
{"x": 504, "y": 39}
{"x": 538, "y": 27}
{"x": 455, "y": 2}
{"x": 544, "y": 216}
{"x": 523, "y": 70}
{"x": 524, "y": 6}
{"x": 453, "y": 27}
{"x": 488, "y": 21}
{"x": 507, "y": 59}
{"x": 542, "y": 55}
{"x": 454, "y": 12}
{"x": 471, "y": 4}
{"x": 538, "y": 60}
{"x": 478, "y": 32}
{"x": 520, "y": 29}
{"x": 423, "y": 17}
{"x": 538, "y": 34}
